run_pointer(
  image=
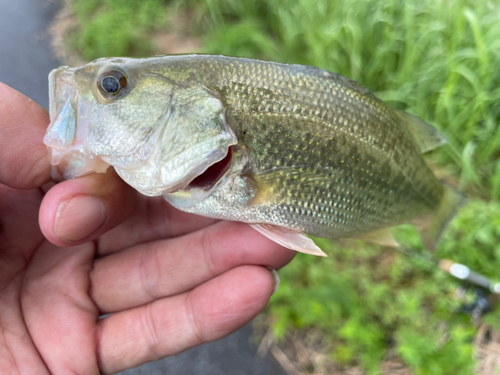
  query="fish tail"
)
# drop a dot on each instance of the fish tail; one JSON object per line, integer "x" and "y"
{"x": 431, "y": 231}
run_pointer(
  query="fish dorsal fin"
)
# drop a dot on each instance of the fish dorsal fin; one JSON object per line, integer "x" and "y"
{"x": 289, "y": 238}
{"x": 427, "y": 136}
{"x": 382, "y": 237}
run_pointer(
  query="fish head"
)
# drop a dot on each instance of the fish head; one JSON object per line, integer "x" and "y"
{"x": 157, "y": 131}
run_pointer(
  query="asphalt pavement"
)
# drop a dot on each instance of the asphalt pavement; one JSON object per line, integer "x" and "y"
{"x": 25, "y": 62}
{"x": 25, "y": 58}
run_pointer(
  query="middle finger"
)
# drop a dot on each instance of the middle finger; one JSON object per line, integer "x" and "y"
{"x": 147, "y": 272}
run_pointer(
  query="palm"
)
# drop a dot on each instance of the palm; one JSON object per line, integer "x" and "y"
{"x": 171, "y": 280}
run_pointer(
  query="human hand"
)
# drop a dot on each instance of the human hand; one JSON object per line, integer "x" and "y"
{"x": 171, "y": 280}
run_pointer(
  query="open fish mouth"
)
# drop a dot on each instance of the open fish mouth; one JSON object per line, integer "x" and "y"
{"x": 209, "y": 178}
{"x": 205, "y": 183}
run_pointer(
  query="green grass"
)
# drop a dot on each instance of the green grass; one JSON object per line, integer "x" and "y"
{"x": 437, "y": 59}
{"x": 116, "y": 27}
{"x": 363, "y": 298}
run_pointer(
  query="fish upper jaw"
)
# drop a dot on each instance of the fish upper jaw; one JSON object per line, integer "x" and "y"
{"x": 61, "y": 84}
{"x": 68, "y": 156}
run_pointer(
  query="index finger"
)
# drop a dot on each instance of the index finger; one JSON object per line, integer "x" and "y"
{"x": 24, "y": 160}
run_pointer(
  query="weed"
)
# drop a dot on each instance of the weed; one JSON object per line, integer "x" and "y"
{"x": 366, "y": 300}
{"x": 116, "y": 27}
{"x": 436, "y": 59}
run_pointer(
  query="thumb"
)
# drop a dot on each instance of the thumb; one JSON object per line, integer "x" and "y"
{"x": 79, "y": 210}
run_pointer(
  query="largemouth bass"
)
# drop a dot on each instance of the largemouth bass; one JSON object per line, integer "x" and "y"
{"x": 290, "y": 149}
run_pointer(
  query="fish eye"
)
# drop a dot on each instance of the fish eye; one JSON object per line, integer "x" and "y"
{"x": 112, "y": 83}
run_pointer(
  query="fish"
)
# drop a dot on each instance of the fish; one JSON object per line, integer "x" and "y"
{"x": 293, "y": 150}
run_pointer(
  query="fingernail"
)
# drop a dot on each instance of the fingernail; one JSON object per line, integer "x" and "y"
{"x": 276, "y": 279}
{"x": 79, "y": 217}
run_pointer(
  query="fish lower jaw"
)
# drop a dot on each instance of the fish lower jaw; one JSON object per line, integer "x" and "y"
{"x": 185, "y": 199}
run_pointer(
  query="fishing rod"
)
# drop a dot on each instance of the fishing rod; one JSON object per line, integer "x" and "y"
{"x": 462, "y": 272}
{"x": 457, "y": 270}
{"x": 481, "y": 304}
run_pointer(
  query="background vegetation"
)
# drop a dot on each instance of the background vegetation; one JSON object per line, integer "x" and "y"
{"x": 437, "y": 59}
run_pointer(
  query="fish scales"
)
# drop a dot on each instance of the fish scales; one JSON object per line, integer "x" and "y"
{"x": 372, "y": 171}
{"x": 295, "y": 147}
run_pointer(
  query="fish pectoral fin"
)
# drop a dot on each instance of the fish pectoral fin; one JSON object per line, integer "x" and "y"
{"x": 382, "y": 237}
{"x": 289, "y": 238}
{"x": 432, "y": 226}
{"x": 427, "y": 136}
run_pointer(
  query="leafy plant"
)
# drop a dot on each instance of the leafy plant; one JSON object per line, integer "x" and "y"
{"x": 364, "y": 297}
{"x": 117, "y": 27}
{"x": 436, "y": 59}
